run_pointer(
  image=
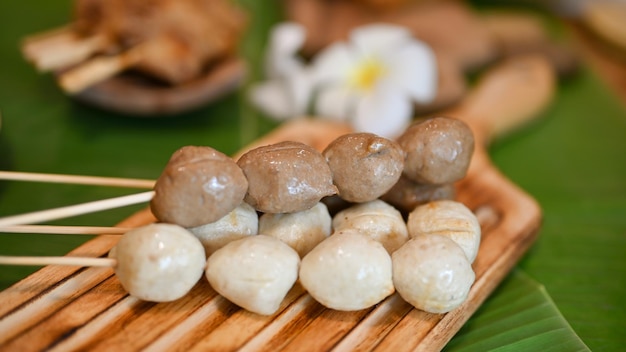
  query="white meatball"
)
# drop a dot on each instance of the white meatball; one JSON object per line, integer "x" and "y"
{"x": 158, "y": 262}
{"x": 255, "y": 273}
{"x": 376, "y": 219}
{"x": 432, "y": 273}
{"x": 301, "y": 230}
{"x": 447, "y": 218}
{"x": 243, "y": 221}
{"x": 347, "y": 271}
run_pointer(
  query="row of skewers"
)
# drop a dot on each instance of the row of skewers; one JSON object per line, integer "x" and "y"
{"x": 198, "y": 193}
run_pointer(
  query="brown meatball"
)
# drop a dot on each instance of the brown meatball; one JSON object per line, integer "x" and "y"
{"x": 286, "y": 177}
{"x": 438, "y": 150}
{"x": 199, "y": 185}
{"x": 364, "y": 165}
{"x": 405, "y": 195}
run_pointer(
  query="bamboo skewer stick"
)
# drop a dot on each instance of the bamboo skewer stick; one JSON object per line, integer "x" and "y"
{"x": 99, "y": 69}
{"x": 77, "y": 179}
{"x": 60, "y": 48}
{"x": 65, "y": 230}
{"x": 72, "y": 261}
{"x": 78, "y": 209}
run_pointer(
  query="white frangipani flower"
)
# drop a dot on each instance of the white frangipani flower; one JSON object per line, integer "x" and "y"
{"x": 287, "y": 92}
{"x": 371, "y": 81}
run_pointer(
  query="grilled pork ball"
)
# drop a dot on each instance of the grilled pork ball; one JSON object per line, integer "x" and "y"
{"x": 438, "y": 150}
{"x": 406, "y": 194}
{"x": 286, "y": 177}
{"x": 199, "y": 185}
{"x": 364, "y": 165}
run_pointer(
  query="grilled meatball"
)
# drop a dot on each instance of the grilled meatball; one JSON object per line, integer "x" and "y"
{"x": 364, "y": 165}
{"x": 406, "y": 194}
{"x": 438, "y": 150}
{"x": 199, "y": 185}
{"x": 286, "y": 177}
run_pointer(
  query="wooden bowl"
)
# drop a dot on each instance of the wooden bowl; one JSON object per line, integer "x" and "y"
{"x": 134, "y": 95}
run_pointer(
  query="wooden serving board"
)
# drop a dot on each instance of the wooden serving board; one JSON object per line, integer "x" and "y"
{"x": 70, "y": 308}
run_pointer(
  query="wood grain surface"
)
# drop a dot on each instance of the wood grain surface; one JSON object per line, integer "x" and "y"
{"x": 69, "y": 308}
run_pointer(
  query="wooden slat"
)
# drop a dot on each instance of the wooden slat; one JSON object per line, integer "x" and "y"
{"x": 69, "y": 318}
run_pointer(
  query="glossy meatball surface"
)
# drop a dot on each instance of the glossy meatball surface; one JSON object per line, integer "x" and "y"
{"x": 438, "y": 150}
{"x": 364, "y": 165}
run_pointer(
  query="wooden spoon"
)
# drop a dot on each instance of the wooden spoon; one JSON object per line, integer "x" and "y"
{"x": 70, "y": 309}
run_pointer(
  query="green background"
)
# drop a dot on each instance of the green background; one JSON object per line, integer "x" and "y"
{"x": 572, "y": 161}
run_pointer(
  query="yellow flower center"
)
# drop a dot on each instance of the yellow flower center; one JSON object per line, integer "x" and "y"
{"x": 366, "y": 74}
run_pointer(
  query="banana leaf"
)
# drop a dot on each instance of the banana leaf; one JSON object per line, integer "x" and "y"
{"x": 519, "y": 317}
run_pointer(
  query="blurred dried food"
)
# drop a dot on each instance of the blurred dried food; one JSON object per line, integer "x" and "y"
{"x": 169, "y": 42}
{"x": 178, "y": 38}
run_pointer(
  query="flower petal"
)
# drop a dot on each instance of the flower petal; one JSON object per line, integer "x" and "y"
{"x": 333, "y": 64}
{"x": 299, "y": 85}
{"x": 413, "y": 67}
{"x": 375, "y": 39}
{"x": 272, "y": 98}
{"x": 285, "y": 41}
{"x": 335, "y": 102}
{"x": 385, "y": 112}
{"x": 287, "y": 37}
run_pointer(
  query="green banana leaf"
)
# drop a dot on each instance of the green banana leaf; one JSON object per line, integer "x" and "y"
{"x": 519, "y": 317}
{"x": 572, "y": 161}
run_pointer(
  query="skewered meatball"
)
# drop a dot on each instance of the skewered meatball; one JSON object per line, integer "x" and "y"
{"x": 199, "y": 185}
{"x": 243, "y": 221}
{"x": 286, "y": 177}
{"x": 450, "y": 219}
{"x": 432, "y": 273}
{"x": 301, "y": 230}
{"x": 158, "y": 262}
{"x": 406, "y": 194}
{"x": 364, "y": 165}
{"x": 438, "y": 150}
{"x": 255, "y": 273}
{"x": 377, "y": 220}
{"x": 347, "y": 271}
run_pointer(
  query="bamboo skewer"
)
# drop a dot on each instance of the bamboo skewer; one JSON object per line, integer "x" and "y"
{"x": 60, "y": 48}
{"x": 78, "y": 209}
{"x": 76, "y": 179}
{"x": 72, "y": 261}
{"x": 99, "y": 69}
{"x": 65, "y": 230}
